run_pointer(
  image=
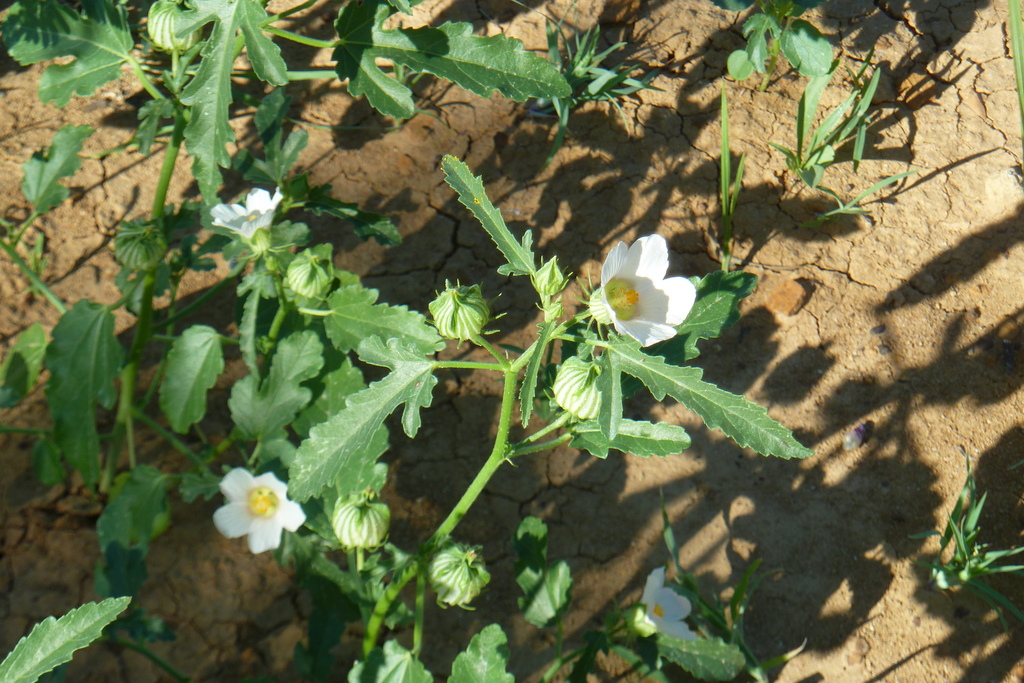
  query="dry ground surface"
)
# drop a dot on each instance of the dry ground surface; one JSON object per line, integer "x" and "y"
{"x": 912, "y": 322}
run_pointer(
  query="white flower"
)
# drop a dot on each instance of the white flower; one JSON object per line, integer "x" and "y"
{"x": 257, "y": 506}
{"x": 636, "y": 296}
{"x": 666, "y": 609}
{"x": 257, "y": 213}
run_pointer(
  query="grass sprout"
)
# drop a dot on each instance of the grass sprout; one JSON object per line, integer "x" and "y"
{"x": 580, "y": 62}
{"x": 968, "y": 561}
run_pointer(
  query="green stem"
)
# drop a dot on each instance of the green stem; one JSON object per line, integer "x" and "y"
{"x": 498, "y": 455}
{"x": 1017, "y": 48}
{"x": 7, "y": 429}
{"x": 167, "y": 170}
{"x": 205, "y": 296}
{"x": 169, "y": 437}
{"x": 558, "y": 422}
{"x": 421, "y": 595}
{"x": 144, "y": 80}
{"x": 151, "y": 656}
{"x": 467, "y": 365}
{"x": 37, "y": 284}
{"x": 561, "y": 661}
{"x": 774, "y": 57}
{"x": 525, "y": 449}
{"x": 303, "y": 40}
{"x": 129, "y": 376}
{"x": 288, "y": 12}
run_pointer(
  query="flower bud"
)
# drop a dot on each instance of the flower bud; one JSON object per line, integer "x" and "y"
{"x": 309, "y": 275}
{"x": 576, "y": 388}
{"x": 163, "y": 16}
{"x": 260, "y": 242}
{"x": 638, "y": 623}
{"x": 457, "y": 574}
{"x": 598, "y": 308}
{"x": 549, "y": 280}
{"x": 139, "y": 245}
{"x": 460, "y": 312}
{"x": 361, "y": 521}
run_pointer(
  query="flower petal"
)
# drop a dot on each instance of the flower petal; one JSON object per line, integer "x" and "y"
{"x": 613, "y": 263}
{"x": 264, "y": 534}
{"x": 290, "y": 515}
{"x": 645, "y": 331}
{"x": 237, "y": 484}
{"x": 674, "y": 606}
{"x": 655, "y": 582}
{"x": 676, "y": 629}
{"x": 648, "y": 258}
{"x": 270, "y": 480}
{"x": 233, "y": 520}
{"x": 228, "y": 215}
{"x": 681, "y": 296}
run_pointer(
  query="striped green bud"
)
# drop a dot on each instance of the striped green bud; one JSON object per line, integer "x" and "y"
{"x": 576, "y": 388}
{"x": 598, "y": 308}
{"x": 460, "y": 312}
{"x": 361, "y": 521}
{"x": 163, "y": 16}
{"x": 139, "y": 245}
{"x": 549, "y": 280}
{"x": 457, "y": 574}
{"x": 310, "y": 275}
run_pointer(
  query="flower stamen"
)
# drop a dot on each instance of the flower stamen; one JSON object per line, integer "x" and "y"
{"x": 622, "y": 298}
{"x": 263, "y": 502}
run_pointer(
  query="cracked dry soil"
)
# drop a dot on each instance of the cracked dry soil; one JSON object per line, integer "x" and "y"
{"x": 912, "y": 322}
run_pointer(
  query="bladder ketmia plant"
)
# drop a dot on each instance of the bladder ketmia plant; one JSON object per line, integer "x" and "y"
{"x": 301, "y": 468}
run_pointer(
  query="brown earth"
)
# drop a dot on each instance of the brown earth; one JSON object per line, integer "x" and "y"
{"x": 909, "y": 318}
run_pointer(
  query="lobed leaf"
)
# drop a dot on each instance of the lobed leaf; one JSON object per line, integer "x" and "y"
{"x": 709, "y": 659}
{"x": 485, "y": 660}
{"x": 194, "y": 362}
{"x": 355, "y": 316}
{"x": 341, "y": 445}
{"x": 53, "y": 641}
{"x": 209, "y": 92}
{"x": 746, "y": 423}
{"x": 44, "y": 169}
{"x": 472, "y": 195}
{"x": 261, "y": 409}
{"x": 84, "y": 357}
{"x": 548, "y": 588}
{"x": 807, "y": 50}
{"x": 21, "y": 367}
{"x": 98, "y": 43}
{"x": 366, "y": 224}
{"x": 637, "y": 437}
{"x": 478, "y": 64}
{"x": 393, "y": 664}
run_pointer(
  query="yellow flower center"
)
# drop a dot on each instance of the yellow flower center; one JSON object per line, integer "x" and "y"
{"x": 263, "y": 502}
{"x": 622, "y": 298}
{"x": 658, "y": 611}
{"x": 251, "y": 217}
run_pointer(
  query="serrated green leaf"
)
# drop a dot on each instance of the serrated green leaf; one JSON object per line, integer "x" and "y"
{"x": 609, "y": 384}
{"x": 54, "y": 641}
{"x": 338, "y": 386}
{"x": 123, "y": 570}
{"x": 807, "y": 50}
{"x": 548, "y": 589}
{"x": 145, "y": 490}
{"x": 472, "y": 195}
{"x": 529, "y": 388}
{"x": 365, "y": 223}
{"x": 261, "y": 409}
{"x": 393, "y": 664}
{"x": 401, "y": 5}
{"x": 195, "y": 484}
{"x": 637, "y": 437}
{"x": 83, "y": 358}
{"x": 355, "y": 316}
{"x": 98, "y": 41}
{"x": 195, "y": 361}
{"x": 209, "y": 92}
{"x": 709, "y": 659}
{"x": 21, "y": 367}
{"x": 45, "y": 168}
{"x": 485, "y": 660}
{"x": 746, "y": 423}
{"x": 340, "y": 445}
{"x": 481, "y": 65}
